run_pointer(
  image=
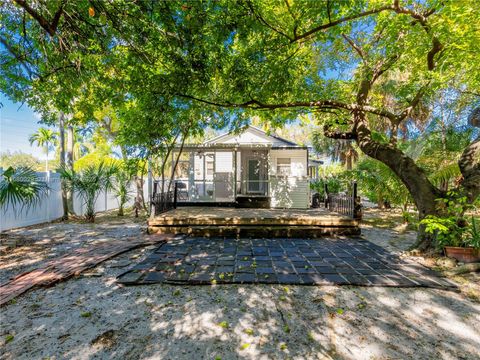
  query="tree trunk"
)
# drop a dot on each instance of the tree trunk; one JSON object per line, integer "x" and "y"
{"x": 139, "y": 199}
{"x": 61, "y": 130}
{"x": 422, "y": 190}
{"x": 69, "y": 161}
{"x": 349, "y": 161}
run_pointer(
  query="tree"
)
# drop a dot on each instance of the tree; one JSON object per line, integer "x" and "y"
{"x": 369, "y": 66}
{"x": 19, "y": 159}
{"x": 279, "y": 61}
{"x": 61, "y": 141}
{"x": 46, "y": 138}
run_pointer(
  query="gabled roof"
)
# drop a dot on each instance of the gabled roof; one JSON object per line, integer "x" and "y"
{"x": 251, "y": 135}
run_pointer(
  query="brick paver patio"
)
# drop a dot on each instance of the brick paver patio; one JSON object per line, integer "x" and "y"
{"x": 351, "y": 261}
{"x": 72, "y": 264}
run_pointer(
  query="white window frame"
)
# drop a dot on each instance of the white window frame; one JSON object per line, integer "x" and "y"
{"x": 284, "y": 166}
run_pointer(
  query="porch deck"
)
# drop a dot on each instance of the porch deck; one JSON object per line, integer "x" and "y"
{"x": 223, "y": 221}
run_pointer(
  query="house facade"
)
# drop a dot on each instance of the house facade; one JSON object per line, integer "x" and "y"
{"x": 250, "y": 168}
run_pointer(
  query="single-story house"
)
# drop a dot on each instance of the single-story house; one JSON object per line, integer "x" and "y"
{"x": 250, "y": 168}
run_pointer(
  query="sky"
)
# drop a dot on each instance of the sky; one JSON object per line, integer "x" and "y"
{"x": 17, "y": 123}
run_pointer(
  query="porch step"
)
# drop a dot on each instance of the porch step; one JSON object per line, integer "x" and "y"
{"x": 259, "y": 202}
{"x": 257, "y": 231}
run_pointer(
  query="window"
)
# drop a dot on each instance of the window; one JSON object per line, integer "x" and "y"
{"x": 284, "y": 167}
{"x": 209, "y": 166}
{"x": 181, "y": 172}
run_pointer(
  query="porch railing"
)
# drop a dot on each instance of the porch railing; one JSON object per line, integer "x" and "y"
{"x": 345, "y": 204}
{"x": 164, "y": 200}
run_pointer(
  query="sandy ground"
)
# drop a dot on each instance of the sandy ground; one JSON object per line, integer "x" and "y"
{"x": 92, "y": 317}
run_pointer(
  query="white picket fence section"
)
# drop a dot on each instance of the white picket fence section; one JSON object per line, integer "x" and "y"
{"x": 50, "y": 206}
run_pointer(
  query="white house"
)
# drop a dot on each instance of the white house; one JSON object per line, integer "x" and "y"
{"x": 251, "y": 168}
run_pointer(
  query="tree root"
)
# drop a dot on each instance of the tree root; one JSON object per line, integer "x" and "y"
{"x": 467, "y": 268}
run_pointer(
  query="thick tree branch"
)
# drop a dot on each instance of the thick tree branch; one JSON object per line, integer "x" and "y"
{"x": 356, "y": 47}
{"x": 49, "y": 27}
{"x": 469, "y": 164}
{"x": 319, "y": 104}
{"x": 265, "y": 22}
{"x": 338, "y": 22}
{"x": 337, "y": 134}
{"x": 412, "y": 104}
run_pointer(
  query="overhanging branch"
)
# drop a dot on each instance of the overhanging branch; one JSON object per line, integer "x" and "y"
{"x": 319, "y": 104}
{"x": 49, "y": 27}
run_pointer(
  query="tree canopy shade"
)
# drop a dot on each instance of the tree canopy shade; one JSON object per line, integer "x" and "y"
{"x": 367, "y": 67}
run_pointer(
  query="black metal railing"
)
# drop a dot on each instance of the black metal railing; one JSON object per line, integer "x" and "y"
{"x": 164, "y": 200}
{"x": 345, "y": 204}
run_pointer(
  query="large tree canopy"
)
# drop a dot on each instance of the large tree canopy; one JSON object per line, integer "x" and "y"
{"x": 363, "y": 68}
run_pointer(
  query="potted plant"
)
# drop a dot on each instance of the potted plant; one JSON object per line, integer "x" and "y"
{"x": 469, "y": 249}
{"x": 454, "y": 235}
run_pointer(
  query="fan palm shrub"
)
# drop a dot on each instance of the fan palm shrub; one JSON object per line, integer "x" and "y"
{"x": 21, "y": 187}
{"x": 89, "y": 183}
{"x": 121, "y": 188}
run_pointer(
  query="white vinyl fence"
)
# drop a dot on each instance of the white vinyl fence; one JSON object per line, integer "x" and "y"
{"x": 50, "y": 207}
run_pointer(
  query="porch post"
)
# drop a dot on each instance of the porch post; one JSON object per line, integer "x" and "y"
{"x": 234, "y": 174}
{"x": 173, "y": 170}
{"x": 191, "y": 175}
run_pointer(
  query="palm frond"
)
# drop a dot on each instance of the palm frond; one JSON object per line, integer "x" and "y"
{"x": 21, "y": 187}
{"x": 445, "y": 173}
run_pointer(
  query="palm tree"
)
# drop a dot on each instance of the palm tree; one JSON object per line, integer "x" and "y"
{"x": 343, "y": 151}
{"x": 21, "y": 186}
{"x": 44, "y": 137}
{"x": 89, "y": 183}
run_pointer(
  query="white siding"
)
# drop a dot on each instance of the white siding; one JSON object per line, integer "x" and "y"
{"x": 298, "y": 158}
{"x": 289, "y": 192}
{"x": 292, "y": 191}
{"x": 224, "y": 162}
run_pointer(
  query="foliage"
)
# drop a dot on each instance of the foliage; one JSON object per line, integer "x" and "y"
{"x": 473, "y": 235}
{"x": 445, "y": 229}
{"x": 162, "y": 71}
{"x": 89, "y": 183}
{"x": 333, "y": 182}
{"x": 379, "y": 183}
{"x": 450, "y": 228}
{"x": 21, "y": 187}
{"x": 46, "y": 138}
{"x": 19, "y": 159}
{"x": 121, "y": 188}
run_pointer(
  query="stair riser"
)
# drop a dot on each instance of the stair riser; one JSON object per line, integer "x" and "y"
{"x": 264, "y": 232}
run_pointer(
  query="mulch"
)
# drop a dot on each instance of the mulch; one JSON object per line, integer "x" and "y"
{"x": 72, "y": 264}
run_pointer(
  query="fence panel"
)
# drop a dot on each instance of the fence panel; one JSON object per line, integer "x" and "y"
{"x": 345, "y": 204}
{"x": 50, "y": 207}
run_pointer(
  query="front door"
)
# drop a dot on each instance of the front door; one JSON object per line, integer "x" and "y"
{"x": 254, "y": 176}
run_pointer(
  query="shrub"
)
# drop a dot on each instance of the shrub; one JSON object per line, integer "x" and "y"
{"x": 89, "y": 183}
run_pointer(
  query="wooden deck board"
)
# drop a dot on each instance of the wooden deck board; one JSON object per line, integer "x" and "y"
{"x": 219, "y": 216}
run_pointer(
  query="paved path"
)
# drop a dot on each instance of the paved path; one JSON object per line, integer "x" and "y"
{"x": 72, "y": 264}
{"x": 351, "y": 261}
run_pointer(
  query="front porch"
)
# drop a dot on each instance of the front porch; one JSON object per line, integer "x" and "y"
{"x": 261, "y": 223}
{"x": 250, "y": 175}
